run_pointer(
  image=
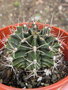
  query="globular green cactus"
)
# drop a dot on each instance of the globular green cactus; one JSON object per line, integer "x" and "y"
{"x": 32, "y": 49}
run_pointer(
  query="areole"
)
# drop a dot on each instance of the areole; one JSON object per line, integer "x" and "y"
{"x": 60, "y": 85}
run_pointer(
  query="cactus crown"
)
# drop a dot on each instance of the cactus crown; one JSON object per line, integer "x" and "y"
{"x": 31, "y": 48}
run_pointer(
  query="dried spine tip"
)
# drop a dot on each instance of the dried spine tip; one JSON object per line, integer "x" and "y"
{"x": 60, "y": 44}
{"x": 34, "y": 23}
{"x": 34, "y": 48}
{"x": 1, "y": 52}
{"x": 60, "y": 50}
{"x": 55, "y": 65}
{"x": 42, "y": 38}
{"x": 13, "y": 33}
{"x": 50, "y": 48}
{"x": 24, "y": 25}
{"x": 57, "y": 39}
{"x": 49, "y": 28}
{"x": 15, "y": 49}
{"x": 54, "y": 58}
{"x": 47, "y": 34}
{"x": 35, "y": 26}
{"x": 23, "y": 40}
{"x": 35, "y": 61}
{"x": 45, "y": 27}
{"x": 9, "y": 59}
{"x": 26, "y": 84}
{"x": 47, "y": 72}
{"x": 35, "y": 72}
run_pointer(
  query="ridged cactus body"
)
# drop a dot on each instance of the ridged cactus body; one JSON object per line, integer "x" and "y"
{"x": 31, "y": 48}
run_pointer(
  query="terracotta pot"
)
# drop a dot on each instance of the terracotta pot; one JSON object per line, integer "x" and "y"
{"x": 60, "y": 85}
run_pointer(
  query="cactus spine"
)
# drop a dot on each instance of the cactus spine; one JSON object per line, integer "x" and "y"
{"x": 32, "y": 49}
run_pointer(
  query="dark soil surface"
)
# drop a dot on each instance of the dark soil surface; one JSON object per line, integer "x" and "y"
{"x": 53, "y": 12}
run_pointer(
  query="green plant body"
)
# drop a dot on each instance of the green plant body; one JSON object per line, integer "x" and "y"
{"x": 32, "y": 49}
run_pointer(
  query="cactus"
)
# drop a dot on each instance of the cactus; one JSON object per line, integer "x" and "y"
{"x": 32, "y": 49}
